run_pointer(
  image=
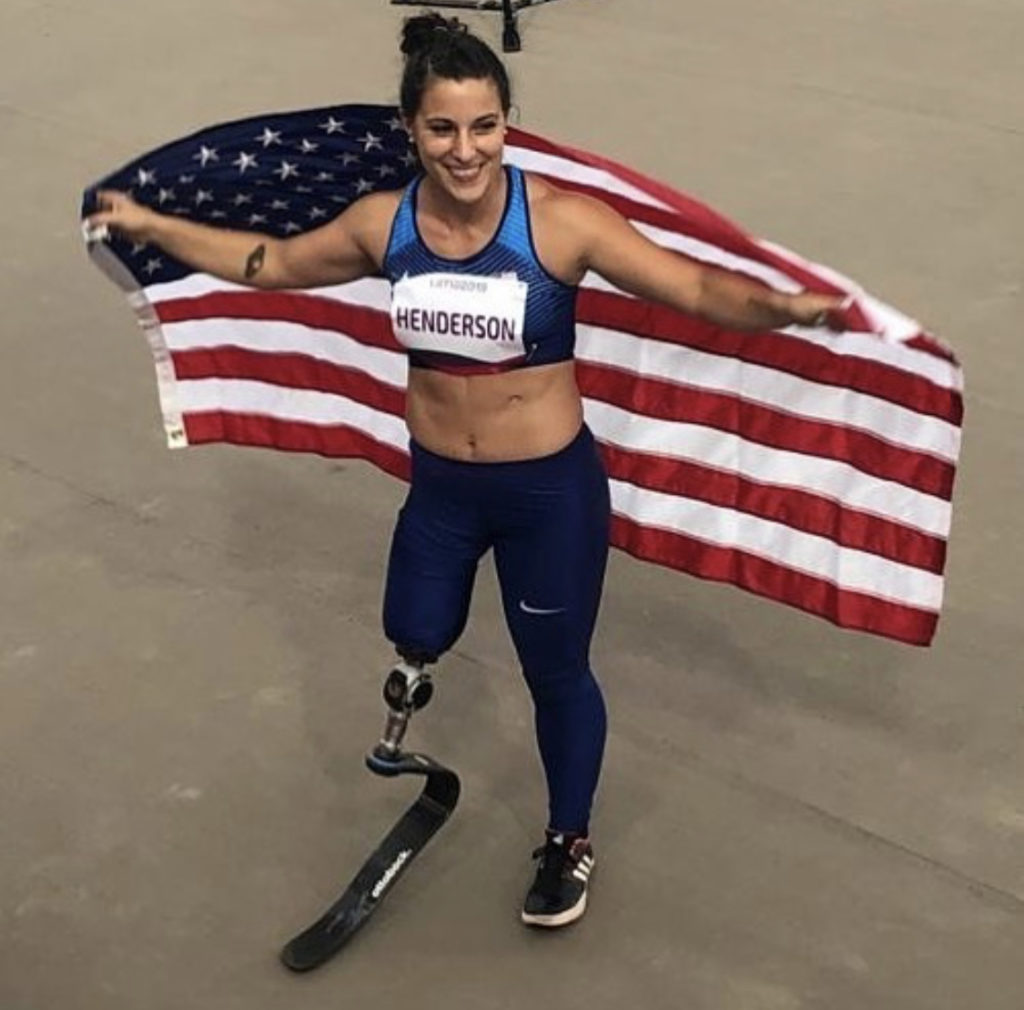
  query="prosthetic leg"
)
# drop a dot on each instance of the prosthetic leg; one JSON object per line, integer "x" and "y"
{"x": 407, "y": 689}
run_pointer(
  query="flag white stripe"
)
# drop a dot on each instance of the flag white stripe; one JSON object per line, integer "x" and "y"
{"x": 246, "y": 396}
{"x": 851, "y": 570}
{"x": 730, "y": 453}
{"x": 779, "y": 390}
{"x": 716, "y": 256}
{"x": 563, "y": 168}
{"x": 368, "y": 292}
{"x": 882, "y": 349}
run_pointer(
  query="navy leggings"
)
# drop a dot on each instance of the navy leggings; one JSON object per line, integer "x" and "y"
{"x": 547, "y": 520}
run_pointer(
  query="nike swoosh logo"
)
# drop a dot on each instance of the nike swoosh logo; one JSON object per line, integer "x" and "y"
{"x": 527, "y": 609}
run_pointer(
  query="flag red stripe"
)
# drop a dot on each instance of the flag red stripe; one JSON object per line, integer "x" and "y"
{"x": 801, "y": 510}
{"x": 768, "y": 426}
{"x": 848, "y": 609}
{"x": 926, "y": 342}
{"x": 368, "y": 326}
{"x": 777, "y": 351}
{"x": 273, "y": 433}
{"x": 296, "y": 371}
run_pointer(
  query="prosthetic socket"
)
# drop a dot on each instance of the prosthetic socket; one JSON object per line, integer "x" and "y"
{"x": 407, "y": 689}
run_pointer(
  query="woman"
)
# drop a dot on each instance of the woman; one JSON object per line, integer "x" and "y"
{"x": 484, "y": 262}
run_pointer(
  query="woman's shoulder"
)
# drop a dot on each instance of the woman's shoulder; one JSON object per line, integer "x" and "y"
{"x": 559, "y": 206}
{"x": 379, "y": 207}
{"x": 371, "y": 216}
{"x": 539, "y": 190}
{"x": 367, "y": 221}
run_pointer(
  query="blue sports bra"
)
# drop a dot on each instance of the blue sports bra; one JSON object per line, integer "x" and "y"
{"x": 494, "y": 311}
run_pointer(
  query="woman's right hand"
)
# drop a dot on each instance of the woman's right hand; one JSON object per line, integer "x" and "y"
{"x": 121, "y": 214}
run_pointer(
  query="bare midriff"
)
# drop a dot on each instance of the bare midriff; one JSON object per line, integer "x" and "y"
{"x": 521, "y": 414}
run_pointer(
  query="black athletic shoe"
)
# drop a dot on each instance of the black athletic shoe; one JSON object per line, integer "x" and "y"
{"x": 559, "y": 892}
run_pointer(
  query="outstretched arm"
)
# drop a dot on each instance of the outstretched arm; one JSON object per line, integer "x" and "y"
{"x": 613, "y": 248}
{"x": 339, "y": 251}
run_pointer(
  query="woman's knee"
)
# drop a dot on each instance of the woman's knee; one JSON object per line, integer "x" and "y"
{"x": 559, "y": 685}
{"x": 429, "y": 631}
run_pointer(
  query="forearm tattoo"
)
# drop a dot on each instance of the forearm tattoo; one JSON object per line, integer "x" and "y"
{"x": 254, "y": 264}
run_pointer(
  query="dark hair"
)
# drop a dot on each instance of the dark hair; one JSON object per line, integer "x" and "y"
{"x": 436, "y": 46}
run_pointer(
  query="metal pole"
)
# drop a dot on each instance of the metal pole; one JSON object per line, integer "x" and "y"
{"x": 510, "y": 41}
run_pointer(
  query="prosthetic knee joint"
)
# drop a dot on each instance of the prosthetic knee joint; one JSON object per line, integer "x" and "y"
{"x": 407, "y": 689}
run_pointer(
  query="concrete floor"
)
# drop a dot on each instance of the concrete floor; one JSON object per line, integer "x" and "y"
{"x": 791, "y": 816}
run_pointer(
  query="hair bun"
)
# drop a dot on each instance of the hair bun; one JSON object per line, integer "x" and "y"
{"x": 424, "y": 30}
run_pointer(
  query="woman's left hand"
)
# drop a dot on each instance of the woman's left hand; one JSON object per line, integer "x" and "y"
{"x": 810, "y": 309}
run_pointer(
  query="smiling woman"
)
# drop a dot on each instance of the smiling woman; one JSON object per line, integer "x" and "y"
{"x": 484, "y": 261}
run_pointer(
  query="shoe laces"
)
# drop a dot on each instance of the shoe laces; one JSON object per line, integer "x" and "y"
{"x": 553, "y": 856}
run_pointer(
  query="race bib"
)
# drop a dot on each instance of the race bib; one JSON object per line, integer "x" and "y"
{"x": 462, "y": 314}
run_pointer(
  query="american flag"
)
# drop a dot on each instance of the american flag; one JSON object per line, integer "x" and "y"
{"x": 809, "y": 467}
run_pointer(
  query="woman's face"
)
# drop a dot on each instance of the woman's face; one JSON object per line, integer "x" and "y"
{"x": 459, "y": 132}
